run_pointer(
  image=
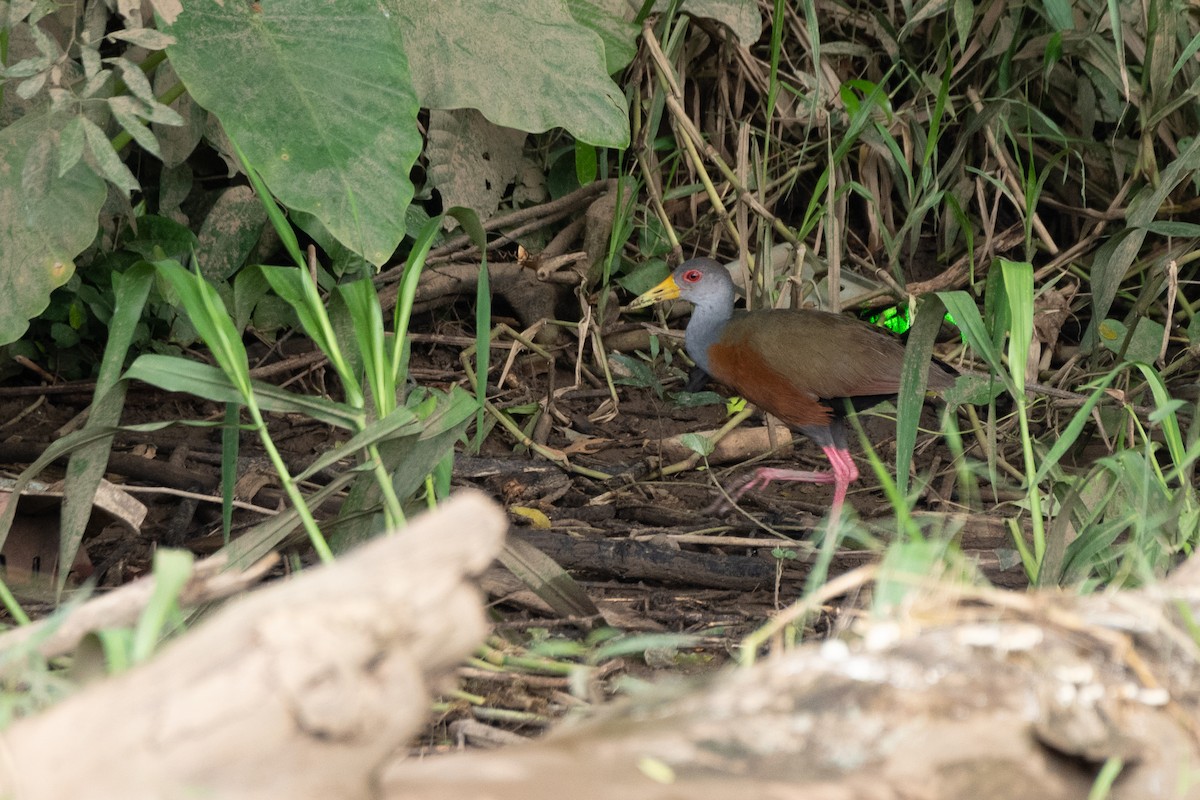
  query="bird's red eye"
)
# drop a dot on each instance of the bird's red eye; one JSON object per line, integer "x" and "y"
{"x": 693, "y": 275}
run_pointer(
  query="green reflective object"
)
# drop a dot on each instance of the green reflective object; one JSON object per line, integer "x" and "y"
{"x": 893, "y": 319}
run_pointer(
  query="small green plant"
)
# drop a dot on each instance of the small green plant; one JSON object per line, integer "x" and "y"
{"x": 1075, "y": 528}
{"x": 374, "y": 410}
{"x": 90, "y": 93}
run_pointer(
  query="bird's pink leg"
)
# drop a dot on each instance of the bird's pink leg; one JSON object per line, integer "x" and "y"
{"x": 843, "y": 474}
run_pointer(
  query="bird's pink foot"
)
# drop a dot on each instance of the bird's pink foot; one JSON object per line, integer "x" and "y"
{"x": 843, "y": 474}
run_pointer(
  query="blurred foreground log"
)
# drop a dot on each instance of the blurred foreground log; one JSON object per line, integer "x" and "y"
{"x": 300, "y": 690}
{"x": 985, "y": 694}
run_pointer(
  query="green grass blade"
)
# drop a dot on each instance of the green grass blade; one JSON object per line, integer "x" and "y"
{"x": 1018, "y": 286}
{"x": 914, "y": 377}
{"x": 274, "y": 213}
{"x": 483, "y": 314}
{"x": 366, "y": 317}
{"x": 207, "y": 313}
{"x": 175, "y": 374}
{"x": 1169, "y": 421}
{"x": 262, "y": 539}
{"x": 401, "y": 422}
{"x": 172, "y": 570}
{"x": 966, "y": 315}
{"x": 87, "y": 464}
{"x": 231, "y": 437}
{"x": 297, "y": 289}
{"x": 408, "y": 292}
{"x": 1069, "y": 435}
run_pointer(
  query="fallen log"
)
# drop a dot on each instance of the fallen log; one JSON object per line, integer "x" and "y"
{"x": 299, "y": 690}
{"x": 972, "y": 694}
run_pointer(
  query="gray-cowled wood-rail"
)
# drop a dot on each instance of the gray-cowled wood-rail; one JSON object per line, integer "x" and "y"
{"x": 795, "y": 363}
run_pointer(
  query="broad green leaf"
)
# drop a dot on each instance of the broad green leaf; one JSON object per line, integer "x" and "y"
{"x": 585, "y": 163}
{"x": 1143, "y": 345}
{"x": 123, "y": 110}
{"x": 472, "y": 161}
{"x": 740, "y": 16}
{"x": 161, "y": 237}
{"x": 46, "y": 220}
{"x": 143, "y": 37}
{"x": 319, "y": 99}
{"x": 249, "y": 286}
{"x": 230, "y": 231}
{"x": 964, "y": 19}
{"x": 697, "y": 443}
{"x": 606, "y": 20}
{"x": 70, "y": 146}
{"x": 1059, "y": 14}
{"x": 526, "y": 64}
{"x": 338, "y": 259}
{"x": 107, "y": 160}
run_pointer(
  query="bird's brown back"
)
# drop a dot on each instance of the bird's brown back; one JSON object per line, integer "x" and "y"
{"x": 788, "y": 361}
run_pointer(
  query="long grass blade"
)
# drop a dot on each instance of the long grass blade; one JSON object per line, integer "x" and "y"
{"x": 914, "y": 377}
{"x": 176, "y": 374}
{"x": 483, "y": 314}
{"x": 87, "y": 464}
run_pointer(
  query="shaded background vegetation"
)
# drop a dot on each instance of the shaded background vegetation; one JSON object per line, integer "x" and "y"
{"x": 890, "y": 150}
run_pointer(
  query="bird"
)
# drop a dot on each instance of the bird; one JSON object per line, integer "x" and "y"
{"x": 797, "y": 364}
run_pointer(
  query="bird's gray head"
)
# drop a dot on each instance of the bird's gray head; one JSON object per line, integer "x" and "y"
{"x": 704, "y": 282}
{"x": 701, "y": 281}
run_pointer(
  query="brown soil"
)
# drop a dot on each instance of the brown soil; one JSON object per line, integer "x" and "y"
{"x": 646, "y": 550}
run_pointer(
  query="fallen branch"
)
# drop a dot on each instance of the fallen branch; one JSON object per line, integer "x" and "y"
{"x": 300, "y": 690}
{"x": 59, "y": 635}
{"x": 966, "y": 693}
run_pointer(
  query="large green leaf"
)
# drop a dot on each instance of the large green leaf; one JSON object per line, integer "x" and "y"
{"x": 526, "y": 64}
{"x": 607, "y": 18}
{"x": 45, "y": 220}
{"x": 318, "y": 97}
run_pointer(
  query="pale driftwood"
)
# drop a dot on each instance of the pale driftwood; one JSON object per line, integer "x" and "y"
{"x": 300, "y": 690}
{"x": 61, "y": 633}
{"x": 994, "y": 695}
{"x": 734, "y": 448}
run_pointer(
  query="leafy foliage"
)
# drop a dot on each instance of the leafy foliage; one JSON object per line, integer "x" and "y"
{"x": 334, "y": 137}
{"x": 1005, "y": 155}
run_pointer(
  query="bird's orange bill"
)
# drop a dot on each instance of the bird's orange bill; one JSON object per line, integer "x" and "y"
{"x": 667, "y": 290}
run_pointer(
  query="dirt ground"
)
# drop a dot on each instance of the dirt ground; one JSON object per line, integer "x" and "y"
{"x": 647, "y": 550}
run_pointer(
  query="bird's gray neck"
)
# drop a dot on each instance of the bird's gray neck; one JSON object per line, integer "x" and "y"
{"x": 704, "y": 329}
